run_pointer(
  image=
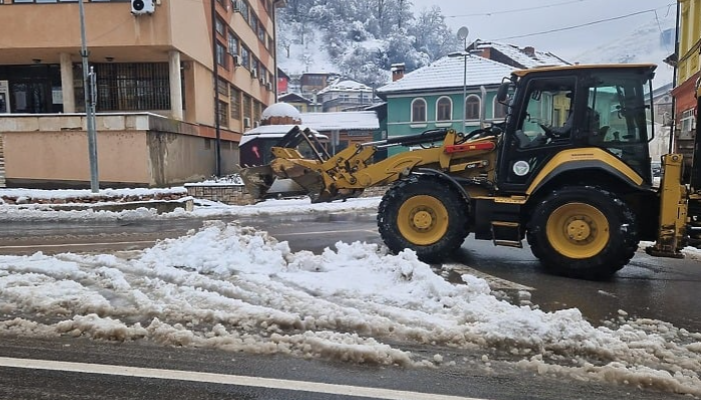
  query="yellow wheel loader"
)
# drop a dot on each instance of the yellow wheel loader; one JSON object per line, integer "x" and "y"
{"x": 569, "y": 170}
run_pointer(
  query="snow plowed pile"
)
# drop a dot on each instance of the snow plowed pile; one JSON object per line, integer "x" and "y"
{"x": 238, "y": 289}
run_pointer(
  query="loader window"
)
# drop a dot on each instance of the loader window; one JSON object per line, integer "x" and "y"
{"x": 621, "y": 124}
{"x": 546, "y": 118}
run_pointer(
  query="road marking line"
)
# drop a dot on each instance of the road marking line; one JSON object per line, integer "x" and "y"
{"x": 223, "y": 379}
{"x": 320, "y": 232}
{"x": 29, "y": 246}
{"x": 495, "y": 283}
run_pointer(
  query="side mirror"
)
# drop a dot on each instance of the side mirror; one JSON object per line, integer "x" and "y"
{"x": 503, "y": 92}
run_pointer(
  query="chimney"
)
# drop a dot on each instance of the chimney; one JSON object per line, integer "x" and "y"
{"x": 529, "y": 50}
{"x": 486, "y": 52}
{"x": 397, "y": 72}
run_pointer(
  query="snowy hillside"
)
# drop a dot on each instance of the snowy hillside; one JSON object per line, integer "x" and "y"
{"x": 298, "y": 58}
{"x": 649, "y": 43}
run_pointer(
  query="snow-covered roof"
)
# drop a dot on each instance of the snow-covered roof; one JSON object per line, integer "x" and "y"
{"x": 346, "y": 86}
{"x": 351, "y": 120}
{"x": 342, "y": 121}
{"x": 448, "y": 72}
{"x": 280, "y": 110}
{"x": 528, "y": 58}
{"x": 273, "y": 131}
{"x": 293, "y": 98}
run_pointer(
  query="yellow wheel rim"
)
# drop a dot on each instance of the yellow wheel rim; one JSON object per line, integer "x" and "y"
{"x": 578, "y": 230}
{"x": 422, "y": 220}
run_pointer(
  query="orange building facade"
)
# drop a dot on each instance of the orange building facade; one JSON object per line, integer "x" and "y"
{"x": 155, "y": 80}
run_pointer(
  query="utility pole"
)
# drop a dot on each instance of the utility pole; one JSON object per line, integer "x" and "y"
{"x": 89, "y": 91}
{"x": 215, "y": 72}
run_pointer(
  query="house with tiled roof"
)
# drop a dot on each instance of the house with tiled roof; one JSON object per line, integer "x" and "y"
{"x": 518, "y": 57}
{"x": 345, "y": 95}
{"x": 432, "y": 97}
{"x": 299, "y": 102}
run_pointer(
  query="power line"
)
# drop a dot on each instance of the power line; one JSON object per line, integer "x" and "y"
{"x": 653, "y": 10}
{"x": 489, "y": 14}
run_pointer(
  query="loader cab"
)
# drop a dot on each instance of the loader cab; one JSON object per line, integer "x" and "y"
{"x": 556, "y": 111}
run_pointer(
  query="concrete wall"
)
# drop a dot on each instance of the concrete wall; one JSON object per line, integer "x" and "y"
{"x": 175, "y": 159}
{"x": 133, "y": 150}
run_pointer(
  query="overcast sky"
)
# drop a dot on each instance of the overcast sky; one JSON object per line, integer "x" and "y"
{"x": 518, "y": 18}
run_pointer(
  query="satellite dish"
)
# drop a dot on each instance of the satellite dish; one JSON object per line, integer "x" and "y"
{"x": 463, "y": 32}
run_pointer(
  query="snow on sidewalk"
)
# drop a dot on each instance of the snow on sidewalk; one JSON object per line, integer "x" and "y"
{"x": 202, "y": 209}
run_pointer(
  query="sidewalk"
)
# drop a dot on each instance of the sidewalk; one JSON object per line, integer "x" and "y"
{"x": 134, "y": 204}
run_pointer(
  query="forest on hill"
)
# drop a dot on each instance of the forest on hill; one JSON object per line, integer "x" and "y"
{"x": 361, "y": 39}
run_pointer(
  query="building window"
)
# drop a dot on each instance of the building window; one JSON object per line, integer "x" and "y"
{"x": 254, "y": 64}
{"x": 223, "y": 87}
{"x": 247, "y": 107}
{"x": 221, "y": 55}
{"x": 219, "y": 26}
{"x": 257, "y": 110}
{"x": 233, "y": 44}
{"x": 254, "y": 23}
{"x": 472, "y": 107}
{"x": 245, "y": 57}
{"x": 223, "y": 114}
{"x": 132, "y": 87}
{"x": 418, "y": 110}
{"x": 235, "y": 103}
{"x": 444, "y": 109}
{"x": 687, "y": 123}
{"x": 242, "y": 7}
{"x": 261, "y": 32}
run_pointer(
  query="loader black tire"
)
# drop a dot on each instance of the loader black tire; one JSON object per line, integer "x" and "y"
{"x": 583, "y": 232}
{"x": 424, "y": 214}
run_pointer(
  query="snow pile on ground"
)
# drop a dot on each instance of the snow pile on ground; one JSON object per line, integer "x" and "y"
{"x": 227, "y": 180}
{"x": 238, "y": 289}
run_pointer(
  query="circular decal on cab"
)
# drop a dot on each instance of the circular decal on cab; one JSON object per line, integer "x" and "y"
{"x": 521, "y": 168}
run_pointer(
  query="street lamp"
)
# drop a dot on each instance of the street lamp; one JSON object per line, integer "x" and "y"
{"x": 462, "y": 35}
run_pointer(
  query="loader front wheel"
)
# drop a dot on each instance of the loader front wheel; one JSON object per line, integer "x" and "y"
{"x": 583, "y": 232}
{"x": 423, "y": 214}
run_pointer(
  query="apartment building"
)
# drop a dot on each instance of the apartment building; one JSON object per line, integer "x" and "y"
{"x": 688, "y": 62}
{"x": 177, "y": 83}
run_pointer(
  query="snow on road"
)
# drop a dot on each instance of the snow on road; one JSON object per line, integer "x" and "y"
{"x": 238, "y": 289}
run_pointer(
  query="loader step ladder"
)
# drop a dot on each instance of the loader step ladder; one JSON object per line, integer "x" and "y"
{"x": 506, "y": 234}
{"x": 2, "y": 164}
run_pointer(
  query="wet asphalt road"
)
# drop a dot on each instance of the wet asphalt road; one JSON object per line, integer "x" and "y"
{"x": 649, "y": 287}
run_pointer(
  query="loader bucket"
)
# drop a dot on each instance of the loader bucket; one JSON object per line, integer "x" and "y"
{"x": 309, "y": 180}
{"x": 265, "y": 182}
{"x": 257, "y": 180}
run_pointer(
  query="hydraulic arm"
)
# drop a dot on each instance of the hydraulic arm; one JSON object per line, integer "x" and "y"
{"x": 346, "y": 174}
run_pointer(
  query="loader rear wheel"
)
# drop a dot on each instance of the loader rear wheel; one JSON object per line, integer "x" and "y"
{"x": 423, "y": 214}
{"x": 583, "y": 232}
